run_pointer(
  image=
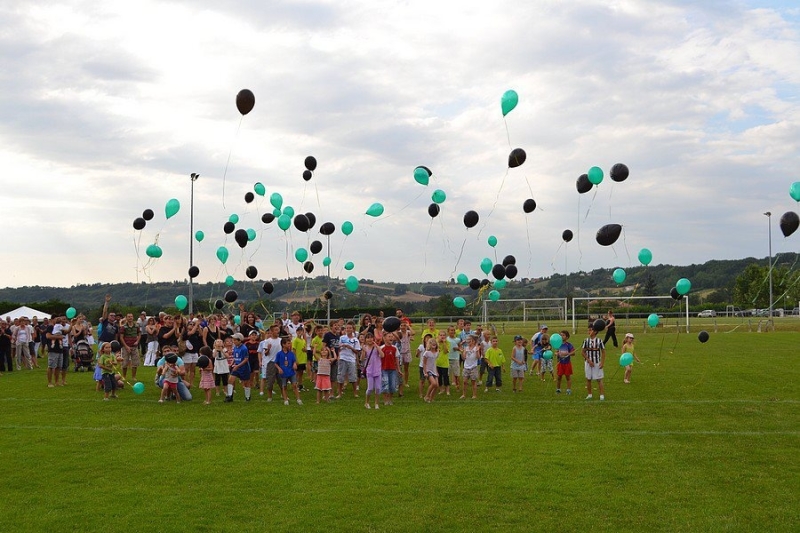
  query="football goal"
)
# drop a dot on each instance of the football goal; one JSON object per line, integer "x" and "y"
{"x": 579, "y": 304}
{"x": 525, "y": 309}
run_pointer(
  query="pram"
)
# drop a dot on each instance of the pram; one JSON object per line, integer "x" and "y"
{"x": 83, "y": 356}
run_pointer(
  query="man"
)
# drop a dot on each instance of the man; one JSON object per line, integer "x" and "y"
{"x": 54, "y": 337}
{"x": 41, "y": 340}
{"x": 403, "y": 318}
{"x": 594, "y": 355}
{"x": 141, "y": 323}
{"x": 294, "y": 324}
{"x": 129, "y": 336}
{"x": 23, "y": 335}
{"x": 109, "y": 324}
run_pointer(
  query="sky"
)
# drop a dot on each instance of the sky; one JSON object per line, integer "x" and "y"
{"x": 106, "y": 108}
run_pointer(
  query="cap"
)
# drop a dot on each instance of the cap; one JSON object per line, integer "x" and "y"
{"x": 238, "y": 336}
{"x": 543, "y": 326}
{"x": 629, "y": 335}
{"x": 517, "y": 338}
{"x": 253, "y": 332}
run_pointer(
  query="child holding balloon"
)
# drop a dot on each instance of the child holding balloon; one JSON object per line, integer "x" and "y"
{"x": 546, "y": 364}
{"x": 628, "y": 347}
{"x": 565, "y": 352}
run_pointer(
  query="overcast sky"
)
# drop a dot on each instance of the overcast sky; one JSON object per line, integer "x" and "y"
{"x": 107, "y": 107}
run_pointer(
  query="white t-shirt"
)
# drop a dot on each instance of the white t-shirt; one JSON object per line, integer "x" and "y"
{"x": 268, "y": 348}
{"x": 24, "y": 334}
{"x": 348, "y": 346}
{"x": 420, "y": 352}
{"x": 292, "y": 328}
{"x": 471, "y": 357}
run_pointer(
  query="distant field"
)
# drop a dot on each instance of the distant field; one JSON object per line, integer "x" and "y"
{"x": 706, "y": 438}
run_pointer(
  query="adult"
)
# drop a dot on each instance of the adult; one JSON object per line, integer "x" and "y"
{"x": 366, "y": 324}
{"x": 194, "y": 341}
{"x": 248, "y": 323}
{"x": 211, "y": 331}
{"x": 23, "y": 335}
{"x": 6, "y": 360}
{"x": 129, "y": 336}
{"x": 611, "y": 328}
{"x": 294, "y": 324}
{"x": 594, "y": 355}
{"x": 403, "y": 318}
{"x": 151, "y": 330}
{"x": 168, "y": 335}
{"x": 108, "y": 323}
{"x": 141, "y": 323}
{"x": 55, "y": 355}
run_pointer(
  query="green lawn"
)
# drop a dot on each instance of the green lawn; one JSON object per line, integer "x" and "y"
{"x": 706, "y": 438}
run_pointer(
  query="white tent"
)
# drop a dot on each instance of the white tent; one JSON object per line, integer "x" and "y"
{"x": 26, "y": 312}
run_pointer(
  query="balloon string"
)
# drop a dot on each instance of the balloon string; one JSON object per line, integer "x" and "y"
{"x": 555, "y": 256}
{"x": 425, "y": 248}
{"x": 530, "y": 249}
{"x": 459, "y": 257}
{"x": 316, "y": 189}
{"x": 494, "y": 205}
{"x": 590, "y": 204}
{"x": 228, "y": 162}
{"x": 610, "y": 193}
{"x": 508, "y": 135}
{"x": 399, "y": 211}
{"x": 286, "y": 240}
{"x": 578, "y": 235}
{"x": 338, "y": 258}
{"x": 529, "y": 185}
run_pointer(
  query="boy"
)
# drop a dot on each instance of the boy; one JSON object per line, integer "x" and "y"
{"x": 240, "y": 369}
{"x": 454, "y": 355}
{"x": 349, "y": 350}
{"x": 299, "y": 344}
{"x": 286, "y": 365}
{"x": 518, "y": 365}
{"x": 594, "y": 355}
{"x": 494, "y": 361}
{"x": 268, "y": 348}
{"x": 565, "y": 353}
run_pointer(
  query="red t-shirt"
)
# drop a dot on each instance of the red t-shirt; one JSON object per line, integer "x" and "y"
{"x": 389, "y": 361}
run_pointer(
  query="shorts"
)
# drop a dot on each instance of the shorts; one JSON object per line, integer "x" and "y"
{"x": 421, "y": 374}
{"x": 130, "y": 356}
{"x": 431, "y": 374}
{"x": 471, "y": 373}
{"x": 290, "y": 380}
{"x": 252, "y": 360}
{"x": 518, "y": 373}
{"x": 220, "y": 380}
{"x": 389, "y": 381}
{"x": 455, "y": 368}
{"x": 242, "y": 373}
{"x": 269, "y": 372}
{"x": 301, "y": 367}
{"x": 405, "y": 357}
{"x": 547, "y": 365}
{"x": 347, "y": 371}
{"x": 170, "y": 385}
{"x": 564, "y": 369}
{"x": 65, "y": 361}
{"x": 109, "y": 383}
{"x": 374, "y": 384}
{"x": 593, "y": 372}
{"x": 54, "y": 359}
{"x": 537, "y": 356}
{"x": 189, "y": 358}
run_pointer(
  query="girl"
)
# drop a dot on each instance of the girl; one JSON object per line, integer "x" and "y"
{"x": 172, "y": 373}
{"x": 472, "y": 353}
{"x": 518, "y": 366}
{"x": 207, "y": 373}
{"x": 323, "y": 383}
{"x": 221, "y": 368}
{"x": 628, "y": 347}
{"x": 442, "y": 362}
{"x": 429, "y": 365}
{"x": 151, "y": 329}
{"x": 372, "y": 369}
{"x": 546, "y": 365}
{"x": 420, "y": 353}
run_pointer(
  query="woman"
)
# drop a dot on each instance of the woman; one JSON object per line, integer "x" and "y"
{"x": 194, "y": 340}
{"x": 151, "y": 332}
{"x": 611, "y": 328}
{"x": 366, "y": 324}
{"x": 248, "y": 325}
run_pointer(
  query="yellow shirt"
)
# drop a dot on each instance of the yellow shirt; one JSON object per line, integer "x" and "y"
{"x": 495, "y": 357}
{"x": 299, "y": 349}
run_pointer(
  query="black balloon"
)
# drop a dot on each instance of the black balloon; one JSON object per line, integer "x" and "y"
{"x": 312, "y": 219}
{"x": 789, "y": 223}
{"x": 509, "y": 260}
{"x": 474, "y": 284}
{"x": 267, "y": 287}
{"x": 608, "y": 234}
{"x": 219, "y": 304}
{"x": 516, "y": 157}
{"x": 433, "y": 210}
{"x": 194, "y": 271}
{"x": 485, "y": 282}
{"x": 499, "y": 271}
{"x": 327, "y": 295}
{"x": 115, "y": 346}
{"x": 148, "y": 214}
{"x": 241, "y": 237}
{"x": 583, "y": 184}
{"x": 266, "y": 218}
{"x": 619, "y": 172}
{"x": 311, "y": 163}
{"x": 228, "y": 227}
{"x": 702, "y": 336}
{"x": 245, "y": 101}
{"x": 308, "y": 266}
{"x": 231, "y": 296}
{"x": 529, "y": 205}
{"x": 249, "y": 197}
{"x": 511, "y": 271}
{"x": 391, "y": 324}
{"x": 203, "y": 361}
{"x": 139, "y": 223}
{"x": 566, "y": 235}
{"x": 599, "y": 325}
{"x": 301, "y": 222}
{"x": 251, "y": 272}
{"x": 675, "y": 294}
{"x": 471, "y": 219}
{"x": 327, "y": 228}
{"x": 307, "y": 175}
{"x": 316, "y": 247}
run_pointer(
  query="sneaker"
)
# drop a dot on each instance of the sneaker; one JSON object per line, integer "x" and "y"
{"x": 366, "y": 406}
{"x": 462, "y": 397}
{"x": 159, "y": 401}
{"x": 299, "y": 401}
{"x": 50, "y": 385}
{"x": 377, "y": 406}
{"x": 589, "y": 397}
{"x": 247, "y": 399}
{"x": 286, "y": 402}
{"x": 569, "y": 391}
{"x": 269, "y": 399}
{"x": 602, "y": 397}
{"x": 228, "y": 399}
{"x": 498, "y": 390}
{"x": 261, "y": 393}
{"x": 486, "y": 389}
{"x": 558, "y": 391}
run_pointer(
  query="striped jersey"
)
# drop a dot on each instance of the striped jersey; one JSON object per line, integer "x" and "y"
{"x": 593, "y": 347}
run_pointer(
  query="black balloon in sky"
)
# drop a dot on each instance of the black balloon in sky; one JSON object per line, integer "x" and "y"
{"x": 241, "y": 237}
{"x": 619, "y": 172}
{"x": 251, "y": 272}
{"x": 509, "y": 260}
{"x": 301, "y": 222}
{"x": 516, "y": 157}
{"x": 266, "y": 218}
{"x": 229, "y": 227}
{"x": 308, "y": 266}
{"x": 327, "y": 228}
{"x": 474, "y": 284}
{"x": 511, "y": 271}
{"x": 245, "y": 101}
{"x": 433, "y": 210}
{"x": 315, "y": 247}
{"x": 194, "y": 271}
{"x": 789, "y": 223}
{"x": 219, "y": 304}
{"x": 675, "y": 294}
{"x": 566, "y": 235}
{"x": 529, "y": 205}
{"x": 608, "y": 234}
{"x": 311, "y": 163}
{"x": 148, "y": 214}
{"x": 471, "y": 219}
{"x": 267, "y": 287}
{"x": 599, "y": 325}
{"x": 312, "y": 219}
{"x": 327, "y": 295}
{"x": 231, "y": 296}
{"x": 499, "y": 271}
{"x": 249, "y": 197}
{"x": 139, "y": 223}
{"x": 307, "y": 175}
{"x": 583, "y": 184}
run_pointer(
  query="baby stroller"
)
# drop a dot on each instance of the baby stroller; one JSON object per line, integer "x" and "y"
{"x": 83, "y": 356}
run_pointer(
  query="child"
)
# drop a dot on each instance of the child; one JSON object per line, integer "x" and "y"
{"x": 286, "y": 365}
{"x": 240, "y": 369}
{"x": 323, "y": 383}
{"x": 471, "y": 353}
{"x": 172, "y": 373}
{"x": 372, "y": 368}
{"x": 429, "y": 367}
{"x": 315, "y": 346}
{"x": 299, "y": 347}
{"x": 443, "y": 362}
{"x": 454, "y": 356}
{"x": 389, "y": 364}
{"x": 546, "y": 363}
{"x": 565, "y": 353}
{"x": 404, "y": 338}
{"x": 628, "y": 347}
{"x": 494, "y": 362}
{"x": 518, "y": 365}
{"x": 221, "y": 368}
{"x": 252, "y": 342}
{"x": 420, "y": 353}
{"x": 206, "y": 373}
{"x": 594, "y": 354}
{"x": 536, "y": 346}
{"x": 106, "y": 363}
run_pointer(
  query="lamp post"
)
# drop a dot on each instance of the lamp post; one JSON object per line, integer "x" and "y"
{"x": 768, "y": 214}
{"x": 193, "y": 177}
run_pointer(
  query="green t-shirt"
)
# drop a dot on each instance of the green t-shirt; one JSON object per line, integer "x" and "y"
{"x": 442, "y": 360}
{"x": 299, "y": 349}
{"x": 495, "y": 357}
{"x": 316, "y": 346}
{"x": 106, "y": 362}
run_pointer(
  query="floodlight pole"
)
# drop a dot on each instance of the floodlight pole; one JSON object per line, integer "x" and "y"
{"x": 193, "y": 177}
{"x": 768, "y": 214}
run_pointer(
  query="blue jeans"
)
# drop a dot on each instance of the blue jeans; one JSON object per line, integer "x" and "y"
{"x": 494, "y": 373}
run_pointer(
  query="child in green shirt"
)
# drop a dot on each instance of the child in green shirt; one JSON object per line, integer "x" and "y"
{"x": 494, "y": 360}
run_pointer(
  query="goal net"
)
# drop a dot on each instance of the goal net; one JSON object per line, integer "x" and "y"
{"x": 632, "y": 308}
{"x": 525, "y": 310}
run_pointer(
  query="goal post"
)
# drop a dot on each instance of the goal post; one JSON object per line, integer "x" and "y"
{"x": 525, "y": 309}
{"x": 684, "y": 303}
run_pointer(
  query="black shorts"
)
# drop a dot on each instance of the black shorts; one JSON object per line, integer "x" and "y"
{"x": 253, "y": 360}
{"x": 301, "y": 367}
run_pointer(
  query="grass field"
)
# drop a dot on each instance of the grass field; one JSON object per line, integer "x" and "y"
{"x": 706, "y": 438}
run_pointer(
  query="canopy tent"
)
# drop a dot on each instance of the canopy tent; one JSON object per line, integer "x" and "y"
{"x": 26, "y": 312}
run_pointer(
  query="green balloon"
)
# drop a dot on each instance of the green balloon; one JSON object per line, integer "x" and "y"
{"x": 626, "y": 359}
{"x": 556, "y": 341}
{"x": 645, "y": 256}
{"x": 509, "y": 101}
{"x": 229, "y": 281}
{"x": 421, "y": 176}
{"x": 288, "y": 210}
{"x": 301, "y": 254}
{"x": 222, "y": 254}
{"x": 233, "y": 219}
{"x": 237, "y": 319}
{"x": 595, "y": 175}
{"x": 326, "y": 261}
{"x": 276, "y": 200}
{"x": 276, "y": 212}
{"x": 199, "y": 235}
{"x": 500, "y": 283}
{"x": 259, "y": 188}
{"x": 486, "y": 265}
{"x": 652, "y": 320}
{"x": 154, "y": 251}
{"x": 172, "y": 207}
{"x": 492, "y": 241}
{"x": 547, "y": 354}
{"x": 138, "y": 387}
{"x": 375, "y": 210}
{"x": 683, "y": 286}
{"x": 181, "y": 302}
{"x": 459, "y": 302}
{"x": 494, "y": 295}
{"x": 619, "y": 276}
{"x": 349, "y": 265}
{"x": 284, "y": 221}
{"x": 438, "y": 196}
{"x": 462, "y": 279}
{"x": 347, "y": 227}
{"x": 351, "y": 283}
{"x": 251, "y": 234}
{"x": 71, "y": 312}
{"x": 794, "y": 191}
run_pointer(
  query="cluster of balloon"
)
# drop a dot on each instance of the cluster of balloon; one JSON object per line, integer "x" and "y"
{"x": 529, "y": 205}
{"x": 566, "y": 235}
{"x": 608, "y": 234}
{"x": 311, "y": 165}
{"x": 619, "y": 276}
{"x": 140, "y": 222}
{"x": 599, "y": 325}
{"x": 626, "y": 359}
{"x": 391, "y": 324}
{"x": 702, "y": 336}
{"x": 789, "y": 223}
{"x": 516, "y": 158}
{"x": 510, "y": 266}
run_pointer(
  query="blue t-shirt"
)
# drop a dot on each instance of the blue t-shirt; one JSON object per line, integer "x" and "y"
{"x": 286, "y": 361}
{"x": 565, "y": 349}
{"x": 240, "y": 354}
